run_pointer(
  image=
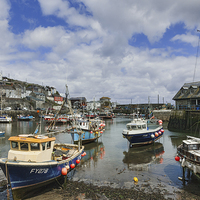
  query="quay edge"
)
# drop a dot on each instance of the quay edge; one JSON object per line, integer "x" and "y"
{"x": 184, "y": 121}
{"x": 14, "y": 113}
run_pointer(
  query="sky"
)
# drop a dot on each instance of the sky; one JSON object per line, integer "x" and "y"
{"x": 132, "y": 51}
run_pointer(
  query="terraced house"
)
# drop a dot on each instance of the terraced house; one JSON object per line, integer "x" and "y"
{"x": 188, "y": 97}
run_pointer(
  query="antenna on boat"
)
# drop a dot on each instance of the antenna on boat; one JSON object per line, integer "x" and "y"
{"x": 196, "y": 57}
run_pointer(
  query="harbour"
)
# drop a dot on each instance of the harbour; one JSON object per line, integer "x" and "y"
{"x": 111, "y": 163}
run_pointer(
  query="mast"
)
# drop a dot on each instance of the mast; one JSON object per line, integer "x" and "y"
{"x": 67, "y": 100}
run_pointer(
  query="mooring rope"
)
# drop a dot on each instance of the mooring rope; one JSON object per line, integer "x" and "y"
{"x": 8, "y": 194}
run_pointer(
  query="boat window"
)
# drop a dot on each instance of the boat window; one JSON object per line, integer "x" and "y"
{"x": 139, "y": 127}
{"x": 192, "y": 156}
{"x": 144, "y": 126}
{"x": 133, "y": 127}
{"x": 192, "y": 147}
{"x": 48, "y": 145}
{"x": 185, "y": 146}
{"x": 35, "y": 146}
{"x": 198, "y": 158}
{"x": 24, "y": 146}
{"x": 14, "y": 145}
{"x": 43, "y": 146}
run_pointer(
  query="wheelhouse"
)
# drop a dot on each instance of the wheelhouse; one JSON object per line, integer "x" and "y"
{"x": 31, "y": 148}
{"x": 132, "y": 126}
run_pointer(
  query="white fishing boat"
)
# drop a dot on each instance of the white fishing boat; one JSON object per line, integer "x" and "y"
{"x": 5, "y": 118}
{"x": 137, "y": 132}
{"x": 188, "y": 154}
{"x": 36, "y": 159}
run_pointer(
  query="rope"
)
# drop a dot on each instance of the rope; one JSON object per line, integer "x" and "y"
{"x": 8, "y": 194}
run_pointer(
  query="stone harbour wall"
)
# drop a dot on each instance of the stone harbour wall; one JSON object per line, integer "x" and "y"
{"x": 164, "y": 115}
{"x": 184, "y": 121}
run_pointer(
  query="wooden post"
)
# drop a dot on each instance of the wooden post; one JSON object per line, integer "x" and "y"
{"x": 183, "y": 175}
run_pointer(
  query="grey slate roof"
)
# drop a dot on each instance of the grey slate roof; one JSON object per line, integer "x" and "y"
{"x": 188, "y": 91}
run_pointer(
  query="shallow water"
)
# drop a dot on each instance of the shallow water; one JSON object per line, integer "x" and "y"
{"x": 111, "y": 162}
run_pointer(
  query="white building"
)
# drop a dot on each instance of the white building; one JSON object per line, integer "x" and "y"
{"x": 93, "y": 105}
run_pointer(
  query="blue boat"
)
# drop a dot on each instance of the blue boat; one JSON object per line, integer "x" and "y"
{"x": 25, "y": 118}
{"x": 138, "y": 133}
{"x": 89, "y": 130}
{"x": 36, "y": 160}
{"x": 2, "y": 133}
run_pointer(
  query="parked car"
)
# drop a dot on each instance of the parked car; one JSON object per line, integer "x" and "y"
{"x": 17, "y": 108}
{"x": 24, "y": 108}
{"x": 8, "y": 108}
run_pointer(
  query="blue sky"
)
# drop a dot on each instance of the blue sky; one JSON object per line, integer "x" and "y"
{"x": 126, "y": 50}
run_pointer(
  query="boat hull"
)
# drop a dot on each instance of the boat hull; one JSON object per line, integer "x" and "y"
{"x": 189, "y": 159}
{"x": 86, "y": 136}
{"x": 143, "y": 138}
{"x": 26, "y": 118}
{"x": 5, "y": 119}
{"x": 28, "y": 174}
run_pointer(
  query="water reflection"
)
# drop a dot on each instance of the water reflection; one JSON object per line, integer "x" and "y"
{"x": 140, "y": 158}
{"x": 94, "y": 151}
{"x": 25, "y": 127}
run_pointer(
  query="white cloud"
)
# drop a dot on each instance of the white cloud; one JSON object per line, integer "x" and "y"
{"x": 191, "y": 39}
{"x": 47, "y": 37}
{"x": 94, "y": 53}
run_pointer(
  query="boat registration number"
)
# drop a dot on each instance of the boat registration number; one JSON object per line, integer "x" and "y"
{"x": 39, "y": 171}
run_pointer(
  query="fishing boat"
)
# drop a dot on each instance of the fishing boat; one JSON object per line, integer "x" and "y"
{"x": 90, "y": 129}
{"x": 5, "y": 118}
{"x": 35, "y": 160}
{"x": 2, "y": 133}
{"x": 106, "y": 115}
{"x": 91, "y": 115}
{"x": 59, "y": 119}
{"x": 188, "y": 154}
{"x": 25, "y": 118}
{"x": 138, "y": 133}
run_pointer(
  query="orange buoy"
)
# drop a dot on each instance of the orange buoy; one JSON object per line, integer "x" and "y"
{"x": 156, "y": 134}
{"x": 72, "y": 166}
{"x": 77, "y": 161}
{"x": 64, "y": 171}
{"x": 177, "y": 158}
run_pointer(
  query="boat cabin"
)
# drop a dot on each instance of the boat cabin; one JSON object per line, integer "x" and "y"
{"x": 138, "y": 125}
{"x": 191, "y": 149}
{"x": 191, "y": 145}
{"x": 32, "y": 148}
